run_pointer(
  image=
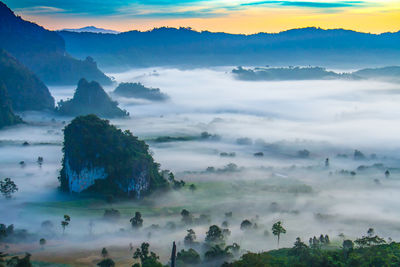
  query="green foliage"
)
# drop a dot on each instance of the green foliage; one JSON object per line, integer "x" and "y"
{"x": 384, "y": 255}
{"x": 187, "y": 257}
{"x": 370, "y": 239}
{"x": 92, "y": 142}
{"x": 277, "y": 230}
{"x": 8, "y": 187}
{"x": 90, "y": 98}
{"x": 190, "y": 238}
{"x": 24, "y": 89}
{"x": 146, "y": 257}
{"x": 106, "y": 263}
{"x": 214, "y": 235}
{"x": 218, "y": 253}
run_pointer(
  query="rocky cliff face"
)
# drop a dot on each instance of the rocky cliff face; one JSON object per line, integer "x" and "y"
{"x": 90, "y": 98}
{"x": 101, "y": 159}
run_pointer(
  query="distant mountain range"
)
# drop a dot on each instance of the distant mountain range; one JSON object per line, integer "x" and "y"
{"x": 390, "y": 74}
{"x": 92, "y": 29}
{"x": 43, "y": 51}
{"x": 184, "y": 47}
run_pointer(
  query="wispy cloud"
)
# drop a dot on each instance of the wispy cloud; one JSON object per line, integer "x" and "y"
{"x": 337, "y": 4}
{"x": 166, "y": 8}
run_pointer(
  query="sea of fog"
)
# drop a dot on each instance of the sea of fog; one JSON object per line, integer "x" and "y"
{"x": 330, "y": 119}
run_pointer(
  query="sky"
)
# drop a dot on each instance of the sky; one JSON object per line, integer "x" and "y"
{"x": 233, "y": 16}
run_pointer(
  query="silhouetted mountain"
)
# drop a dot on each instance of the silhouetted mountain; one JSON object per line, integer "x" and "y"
{"x": 138, "y": 90}
{"x": 90, "y": 98}
{"x": 91, "y": 29}
{"x": 391, "y": 74}
{"x": 7, "y": 116}
{"x": 43, "y": 51}
{"x": 102, "y": 159}
{"x": 25, "y": 90}
{"x": 185, "y": 47}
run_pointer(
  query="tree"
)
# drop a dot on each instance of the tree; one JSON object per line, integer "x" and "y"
{"x": 40, "y": 161}
{"x": 214, "y": 234}
{"x": 173, "y": 255}
{"x": 277, "y": 230}
{"x": 192, "y": 187}
{"x": 147, "y": 258}
{"x": 65, "y": 222}
{"x": 190, "y": 238}
{"x": 347, "y": 245}
{"x": 8, "y": 187}
{"x": 137, "y": 221}
{"x": 187, "y": 218}
{"x": 104, "y": 253}
{"x": 42, "y": 242}
{"x": 188, "y": 257}
{"x": 327, "y": 241}
{"x": 217, "y": 253}
{"x": 299, "y": 249}
{"x": 245, "y": 225}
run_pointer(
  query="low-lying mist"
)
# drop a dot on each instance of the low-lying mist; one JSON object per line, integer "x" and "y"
{"x": 256, "y": 149}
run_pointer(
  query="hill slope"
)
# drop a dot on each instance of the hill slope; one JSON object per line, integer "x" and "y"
{"x": 43, "y": 51}
{"x": 90, "y": 98}
{"x": 7, "y": 116}
{"x": 25, "y": 90}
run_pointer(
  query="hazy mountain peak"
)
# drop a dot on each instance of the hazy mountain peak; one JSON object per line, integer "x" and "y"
{"x": 92, "y": 29}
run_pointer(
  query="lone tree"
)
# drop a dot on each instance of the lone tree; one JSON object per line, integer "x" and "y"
{"x": 42, "y": 242}
{"x": 192, "y": 187}
{"x": 65, "y": 222}
{"x": 187, "y": 218}
{"x": 190, "y": 238}
{"x": 8, "y": 187}
{"x": 277, "y": 230}
{"x": 104, "y": 253}
{"x": 173, "y": 255}
{"x": 245, "y": 225}
{"x": 137, "y": 221}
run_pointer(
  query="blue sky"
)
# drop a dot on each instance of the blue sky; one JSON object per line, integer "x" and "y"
{"x": 244, "y": 16}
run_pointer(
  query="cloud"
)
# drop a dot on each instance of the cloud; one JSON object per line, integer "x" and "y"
{"x": 337, "y": 4}
{"x": 162, "y": 8}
